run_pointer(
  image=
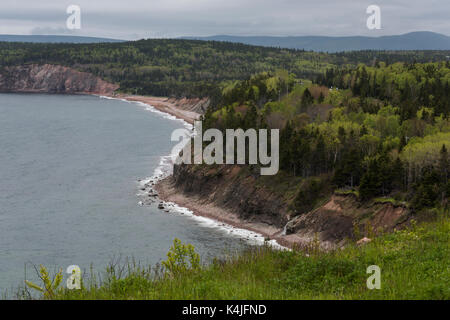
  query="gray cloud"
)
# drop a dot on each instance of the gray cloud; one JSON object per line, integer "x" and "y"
{"x": 134, "y": 19}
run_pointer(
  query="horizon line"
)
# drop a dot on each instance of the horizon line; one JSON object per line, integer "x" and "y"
{"x": 221, "y": 35}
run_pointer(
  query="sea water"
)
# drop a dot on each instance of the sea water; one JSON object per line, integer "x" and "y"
{"x": 70, "y": 171}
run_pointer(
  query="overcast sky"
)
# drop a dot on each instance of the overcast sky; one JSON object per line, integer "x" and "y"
{"x": 134, "y": 19}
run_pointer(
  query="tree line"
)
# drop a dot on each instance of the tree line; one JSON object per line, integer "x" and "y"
{"x": 330, "y": 134}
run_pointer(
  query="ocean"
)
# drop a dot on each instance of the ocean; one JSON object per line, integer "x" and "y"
{"x": 70, "y": 172}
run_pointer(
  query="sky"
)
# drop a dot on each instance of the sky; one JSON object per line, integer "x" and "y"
{"x": 137, "y": 19}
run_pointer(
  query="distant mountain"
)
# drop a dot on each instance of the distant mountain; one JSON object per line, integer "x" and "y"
{"x": 409, "y": 41}
{"x": 54, "y": 39}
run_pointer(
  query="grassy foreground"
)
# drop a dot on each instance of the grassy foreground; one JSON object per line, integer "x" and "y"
{"x": 414, "y": 265}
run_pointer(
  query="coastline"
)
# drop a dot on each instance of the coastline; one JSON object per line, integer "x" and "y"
{"x": 162, "y": 104}
{"x": 158, "y": 188}
{"x": 270, "y": 234}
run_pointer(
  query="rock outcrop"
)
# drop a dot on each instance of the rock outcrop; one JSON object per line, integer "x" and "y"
{"x": 344, "y": 217}
{"x": 49, "y": 78}
{"x": 197, "y": 105}
{"x": 234, "y": 189}
{"x": 231, "y": 188}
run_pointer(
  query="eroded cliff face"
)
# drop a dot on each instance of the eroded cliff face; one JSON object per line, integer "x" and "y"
{"x": 232, "y": 188}
{"x": 344, "y": 217}
{"x": 197, "y": 105}
{"x": 339, "y": 219}
{"x": 52, "y": 79}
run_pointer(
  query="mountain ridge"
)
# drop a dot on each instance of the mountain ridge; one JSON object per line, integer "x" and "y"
{"x": 419, "y": 40}
{"x": 54, "y": 39}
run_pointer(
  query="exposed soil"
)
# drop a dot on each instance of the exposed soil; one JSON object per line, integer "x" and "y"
{"x": 225, "y": 194}
{"x": 49, "y": 78}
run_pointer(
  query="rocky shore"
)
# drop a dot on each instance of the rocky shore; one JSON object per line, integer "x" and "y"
{"x": 266, "y": 215}
{"x": 224, "y": 193}
{"x": 232, "y": 195}
{"x": 187, "y": 109}
{"x": 168, "y": 192}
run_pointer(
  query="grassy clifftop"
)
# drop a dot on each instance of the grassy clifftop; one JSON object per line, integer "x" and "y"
{"x": 414, "y": 264}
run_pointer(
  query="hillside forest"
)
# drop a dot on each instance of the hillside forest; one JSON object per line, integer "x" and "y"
{"x": 371, "y": 123}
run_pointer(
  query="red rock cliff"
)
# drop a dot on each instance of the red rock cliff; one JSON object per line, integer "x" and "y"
{"x": 52, "y": 79}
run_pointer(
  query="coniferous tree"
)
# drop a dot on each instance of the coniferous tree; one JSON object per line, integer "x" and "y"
{"x": 444, "y": 169}
{"x": 321, "y": 98}
{"x": 371, "y": 182}
{"x": 307, "y": 100}
{"x": 427, "y": 190}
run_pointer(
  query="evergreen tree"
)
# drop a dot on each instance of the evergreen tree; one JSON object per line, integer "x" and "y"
{"x": 320, "y": 156}
{"x": 286, "y": 137}
{"x": 321, "y": 98}
{"x": 444, "y": 163}
{"x": 371, "y": 182}
{"x": 307, "y": 100}
{"x": 251, "y": 118}
{"x": 444, "y": 169}
{"x": 348, "y": 170}
{"x": 398, "y": 175}
{"x": 427, "y": 190}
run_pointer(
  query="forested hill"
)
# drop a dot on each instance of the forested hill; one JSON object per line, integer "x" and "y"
{"x": 53, "y": 39}
{"x": 191, "y": 68}
{"x": 381, "y": 131}
{"x": 373, "y": 124}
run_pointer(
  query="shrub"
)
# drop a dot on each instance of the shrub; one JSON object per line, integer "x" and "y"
{"x": 181, "y": 258}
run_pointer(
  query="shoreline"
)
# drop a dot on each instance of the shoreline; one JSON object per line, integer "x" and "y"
{"x": 158, "y": 188}
{"x": 162, "y": 104}
{"x": 270, "y": 234}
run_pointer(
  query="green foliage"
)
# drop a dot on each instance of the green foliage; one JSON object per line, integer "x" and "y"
{"x": 409, "y": 85}
{"x": 181, "y": 258}
{"x": 50, "y": 287}
{"x": 378, "y": 134}
{"x": 381, "y": 175}
{"x": 428, "y": 190}
{"x": 413, "y": 263}
{"x": 420, "y": 152}
{"x": 335, "y": 111}
{"x": 164, "y": 67}
{"x": 167, "y": 67}
{"x": 307, "y": 100}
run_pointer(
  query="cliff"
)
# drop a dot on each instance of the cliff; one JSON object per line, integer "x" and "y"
{"x": 344, "y": 217}
{"x": 52, "y": 79}
{"x": 233, "y": 188}
{"x": 237, "y": 196}
{"x": 49, "y": 78}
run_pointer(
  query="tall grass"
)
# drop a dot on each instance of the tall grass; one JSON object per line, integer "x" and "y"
{"x": 414, "y": 265}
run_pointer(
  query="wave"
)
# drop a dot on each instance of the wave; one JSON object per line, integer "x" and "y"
{"x": 165, "y": 169}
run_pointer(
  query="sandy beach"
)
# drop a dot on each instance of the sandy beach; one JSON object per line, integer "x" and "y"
{"x": 185, "y": 109}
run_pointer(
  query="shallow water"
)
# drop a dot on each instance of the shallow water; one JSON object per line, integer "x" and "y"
{"x": 69, "y": 171}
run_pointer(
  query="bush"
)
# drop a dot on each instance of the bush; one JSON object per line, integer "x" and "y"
{"x": 181, "y": 258}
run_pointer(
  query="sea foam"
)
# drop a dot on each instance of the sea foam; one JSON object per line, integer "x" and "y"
{"x": 165, "y": 169}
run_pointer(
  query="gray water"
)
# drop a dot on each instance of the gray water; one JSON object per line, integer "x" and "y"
{"x": 69, "y": 171}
